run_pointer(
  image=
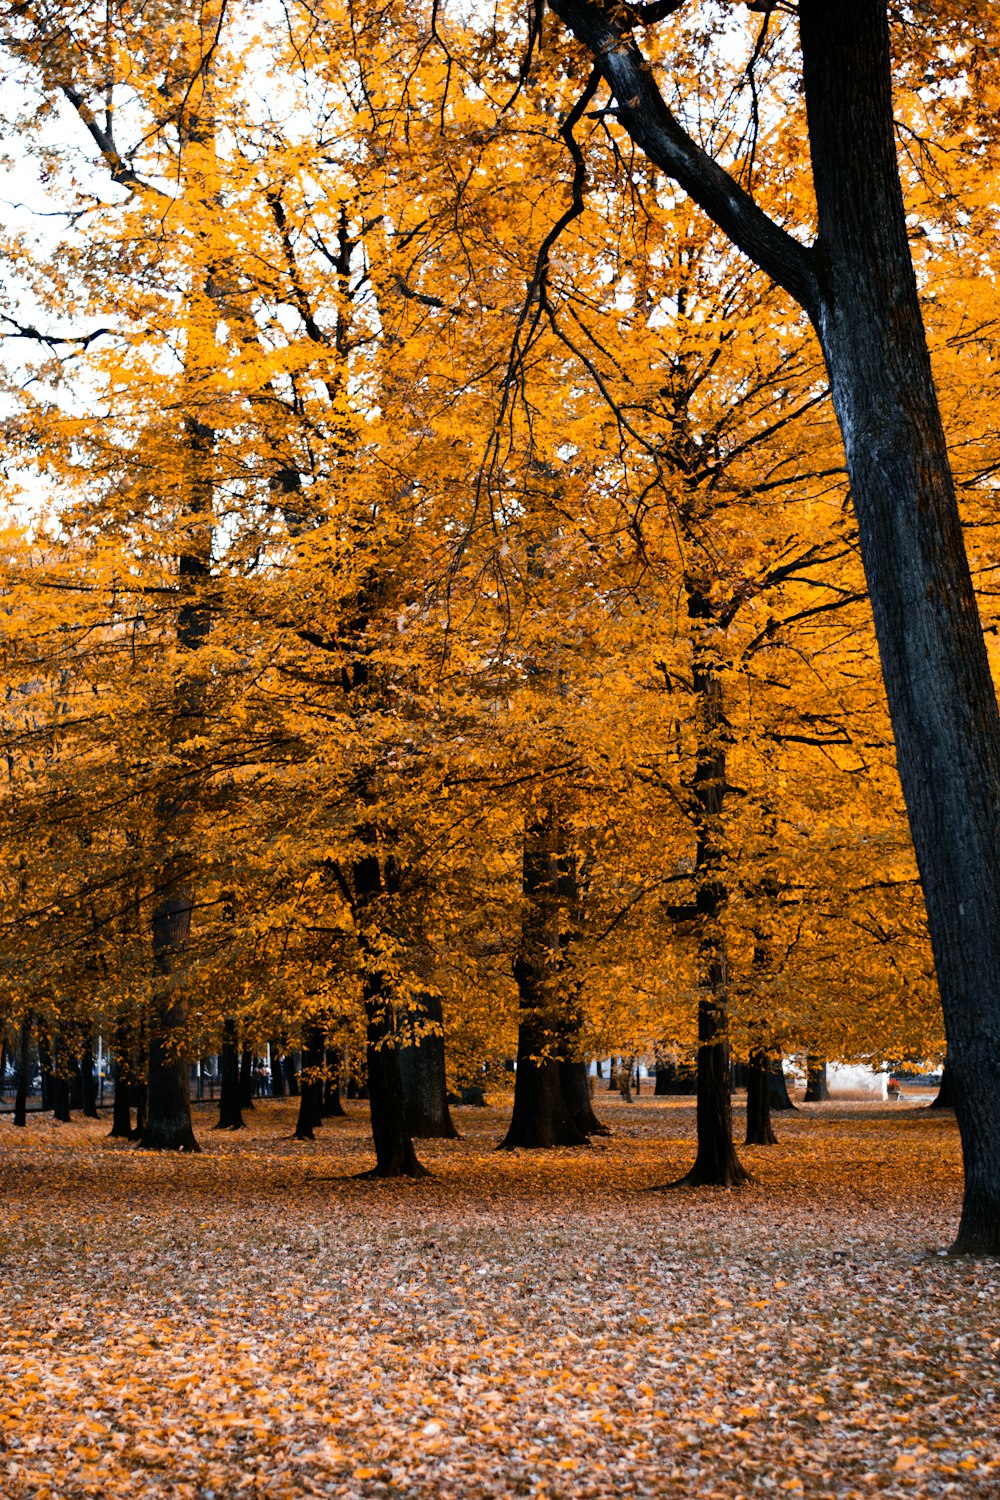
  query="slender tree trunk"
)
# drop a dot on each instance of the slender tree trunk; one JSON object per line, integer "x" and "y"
{"x": 422, "y": 1070}
{"x": 121, "y": 1113}
{"x": 291, "y": 1075}
{"x": 716, "y": 1163}
{"x": 760, "y": 1131}
{"x": 21, "y": 1096}
{"x": 87, "y": 1081}
{"x": 817, "y": 1088}
{"x": 45, "y": 1070}
{"x": 230, "y": 1112}
{"x": 278, "y": 1087}
{"x": 246, "y": 1078}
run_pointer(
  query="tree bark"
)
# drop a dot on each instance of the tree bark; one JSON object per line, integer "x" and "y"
{"x": 87, "y": 1081}
{"x": 760, "y": 1131}
{"x": 167, "y": 1125}
{"x": 945, "y": 1097}
{"x": 291, "y": 1075}
{"x": 817, "y": 1088}
{"x": 541, "y": 1117}
{"x": 278, "y": 1087}
{"x": 332, "y": 1107}
{"x": 575, "y": 1082}
{"x": 310, "y": 1116}
{"x": 422, "y": 1070}
{"x": 230, "y": 1112}
{"x": 246, "y": 1078}
{"x": 778, "y": 1086}
{"x": 24, "y": 1056}
{"x": 121, "y": 1112}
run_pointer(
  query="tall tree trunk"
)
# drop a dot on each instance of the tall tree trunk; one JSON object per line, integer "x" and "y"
{"x": 937, "y": 676}
{"x": 88, "y": 1081}
{"x": 716, "y": 1163}
{"x": 422, "y": 1069}
{"x": 45, "y": 1070}
{"x": 541, "y": 1116}
{"x": 278, "y": 1088}
{"x": 24, "y": 1056}
{"x": 817, "y": 1088}
{"x": 121, "y": 1112}
{"x": 760, "y": 1131}
{"x": 230, "y": 1113}
{"x": 858, "y": 285}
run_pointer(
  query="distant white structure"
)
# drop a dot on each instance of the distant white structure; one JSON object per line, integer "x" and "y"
{"x": 855, "y": 1081}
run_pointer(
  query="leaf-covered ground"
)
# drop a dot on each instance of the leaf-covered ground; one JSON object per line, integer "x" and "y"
{"x": 251, "y": 1321}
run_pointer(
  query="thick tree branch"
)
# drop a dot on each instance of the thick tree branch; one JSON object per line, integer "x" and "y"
{"x": 642, "y": 110}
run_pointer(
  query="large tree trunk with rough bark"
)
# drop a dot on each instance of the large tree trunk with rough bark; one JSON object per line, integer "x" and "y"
{"x": 422, "y": 1069}
{"x": 937, "y": 676}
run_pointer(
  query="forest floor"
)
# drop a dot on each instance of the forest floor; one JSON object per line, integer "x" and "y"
{"x": 251, "y": 1321}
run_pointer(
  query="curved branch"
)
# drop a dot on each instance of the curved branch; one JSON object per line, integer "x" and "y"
{"x": 644, "y": 113}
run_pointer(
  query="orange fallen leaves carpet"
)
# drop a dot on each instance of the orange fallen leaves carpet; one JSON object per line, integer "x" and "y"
{"x": 252, "y": 1322}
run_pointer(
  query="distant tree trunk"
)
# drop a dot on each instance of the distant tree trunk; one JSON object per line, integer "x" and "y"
{"x": 246, "y": 1079}
{"x": 541, "y": 1116}
{"x": 45, "y": 1070}
{"x": 760, "y": 1131}
{"x": 311, "y": 1096}
{"x": 778, "y": 1086}
{"x": 612, "y": 1074}
{"x": 278, "y": 1086}
{"x": 121, "y": 1113}
{"x": 944, "y": 1098}
{"x": 167, "y": 1125}
{"x": 88, "y": 1083}
{"x": 140, "y": 1096}
{"x": 3, "y": 1066}
{"x": 817, "y": 1088}
{"x": 21, "y": 1096}
{"x": 60, "y": 1090}
{"x": 290, "y": 1068}
{"x": 332, "y": 1107}
{"x": 422, "y": 1070}
{"x": 230, "y": 1112}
